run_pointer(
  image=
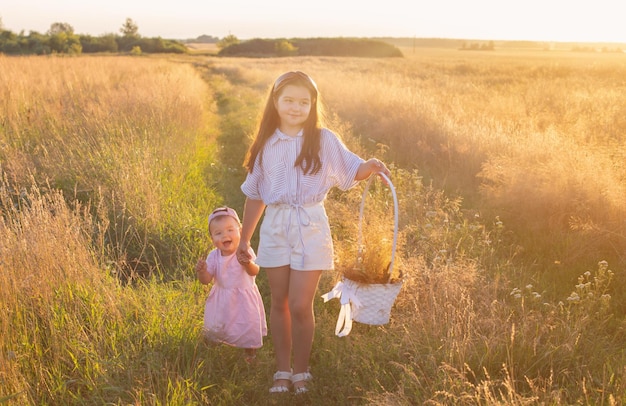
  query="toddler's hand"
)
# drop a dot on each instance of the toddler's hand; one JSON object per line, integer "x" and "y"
{"x": 201, "y": 265}
{"x": 243, "y": 259}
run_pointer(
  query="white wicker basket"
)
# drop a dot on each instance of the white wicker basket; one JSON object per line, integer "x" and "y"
{"x": 362, "y": 302}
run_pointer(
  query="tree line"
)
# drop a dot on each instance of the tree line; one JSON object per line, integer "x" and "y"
{"x": 260, "y": 47}
{"x": 61, "y": 39}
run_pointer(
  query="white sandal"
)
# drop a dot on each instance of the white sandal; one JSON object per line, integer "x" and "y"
{"x": 301, "y": 377}
{"x": 278, "y": 376}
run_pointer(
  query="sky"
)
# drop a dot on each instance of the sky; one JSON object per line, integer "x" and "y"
{"x": 532, "y": 20}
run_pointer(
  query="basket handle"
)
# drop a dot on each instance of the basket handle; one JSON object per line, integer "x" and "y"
{"x": 395, "y": 219}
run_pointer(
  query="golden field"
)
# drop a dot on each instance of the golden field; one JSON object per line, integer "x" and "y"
{"x": 509, "y": 169}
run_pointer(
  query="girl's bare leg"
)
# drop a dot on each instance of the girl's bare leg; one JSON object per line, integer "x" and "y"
{"x": 280, "y": 319}
{"x": 302, "y": 288}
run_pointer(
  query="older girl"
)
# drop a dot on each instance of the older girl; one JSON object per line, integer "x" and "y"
{"x": 292, "y": 164}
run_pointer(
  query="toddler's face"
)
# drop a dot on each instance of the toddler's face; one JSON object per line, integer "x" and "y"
{"x": 225, "y": 233}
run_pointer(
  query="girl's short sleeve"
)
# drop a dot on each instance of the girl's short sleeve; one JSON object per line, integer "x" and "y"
{"x": 251, "y": 186}
{"x": 345, "y": 163}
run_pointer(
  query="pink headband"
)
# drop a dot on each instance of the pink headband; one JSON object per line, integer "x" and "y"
{"x": 223, "y": 211}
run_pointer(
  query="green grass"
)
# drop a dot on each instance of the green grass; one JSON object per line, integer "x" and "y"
{"x": 82, "y": 323}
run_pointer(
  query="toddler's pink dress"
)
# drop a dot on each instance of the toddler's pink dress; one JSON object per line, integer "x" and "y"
{"x": 233, "y": 313}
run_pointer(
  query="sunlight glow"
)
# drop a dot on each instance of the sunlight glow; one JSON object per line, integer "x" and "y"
{"x": 557, "y": 20}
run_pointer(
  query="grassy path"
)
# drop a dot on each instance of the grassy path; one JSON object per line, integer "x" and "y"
{"x": 162, "y": 144}
{"x": 340, "y": 375}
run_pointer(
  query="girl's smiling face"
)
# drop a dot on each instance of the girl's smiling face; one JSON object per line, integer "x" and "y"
{"x": 225, "y": 234}
{"x": 293, "y": 106}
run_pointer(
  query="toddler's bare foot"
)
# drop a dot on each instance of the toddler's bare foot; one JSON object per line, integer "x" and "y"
{"x": 250, "y": 355}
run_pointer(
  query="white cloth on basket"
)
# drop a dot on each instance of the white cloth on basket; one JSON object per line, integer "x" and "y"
{"x": 346, "y": 293}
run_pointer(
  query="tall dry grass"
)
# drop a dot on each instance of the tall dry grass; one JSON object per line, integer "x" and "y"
{"x": 106, "y": 165}
{"x": 472, "y": 325}
{"x": 513, "y": 217}
{"x": 537, "y": 142}
{"x": 133, "y": 133}
{"x": 55, "y": 296}
{"x": 535, "y": 138}
{"x": 71, "y": 332}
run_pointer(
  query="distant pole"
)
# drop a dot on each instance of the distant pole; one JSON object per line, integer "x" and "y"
{"x": 413, "y": 43}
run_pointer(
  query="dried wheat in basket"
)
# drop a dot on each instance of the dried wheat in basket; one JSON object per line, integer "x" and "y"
{"x": 363, "y": 302}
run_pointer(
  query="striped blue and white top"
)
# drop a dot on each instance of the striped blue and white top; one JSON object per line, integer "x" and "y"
{"x": 278, "y": 181}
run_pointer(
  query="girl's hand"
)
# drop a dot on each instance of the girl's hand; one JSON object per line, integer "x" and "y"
{"x": 243, "y": 252}
{"x": 370, "y": 167}
{"x": 379, "y": 167}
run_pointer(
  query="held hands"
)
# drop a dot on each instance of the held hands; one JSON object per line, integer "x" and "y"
{"x": 243, "y": 252}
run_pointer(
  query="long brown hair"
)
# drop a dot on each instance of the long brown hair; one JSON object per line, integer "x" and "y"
{"x": 309, "y": 157}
